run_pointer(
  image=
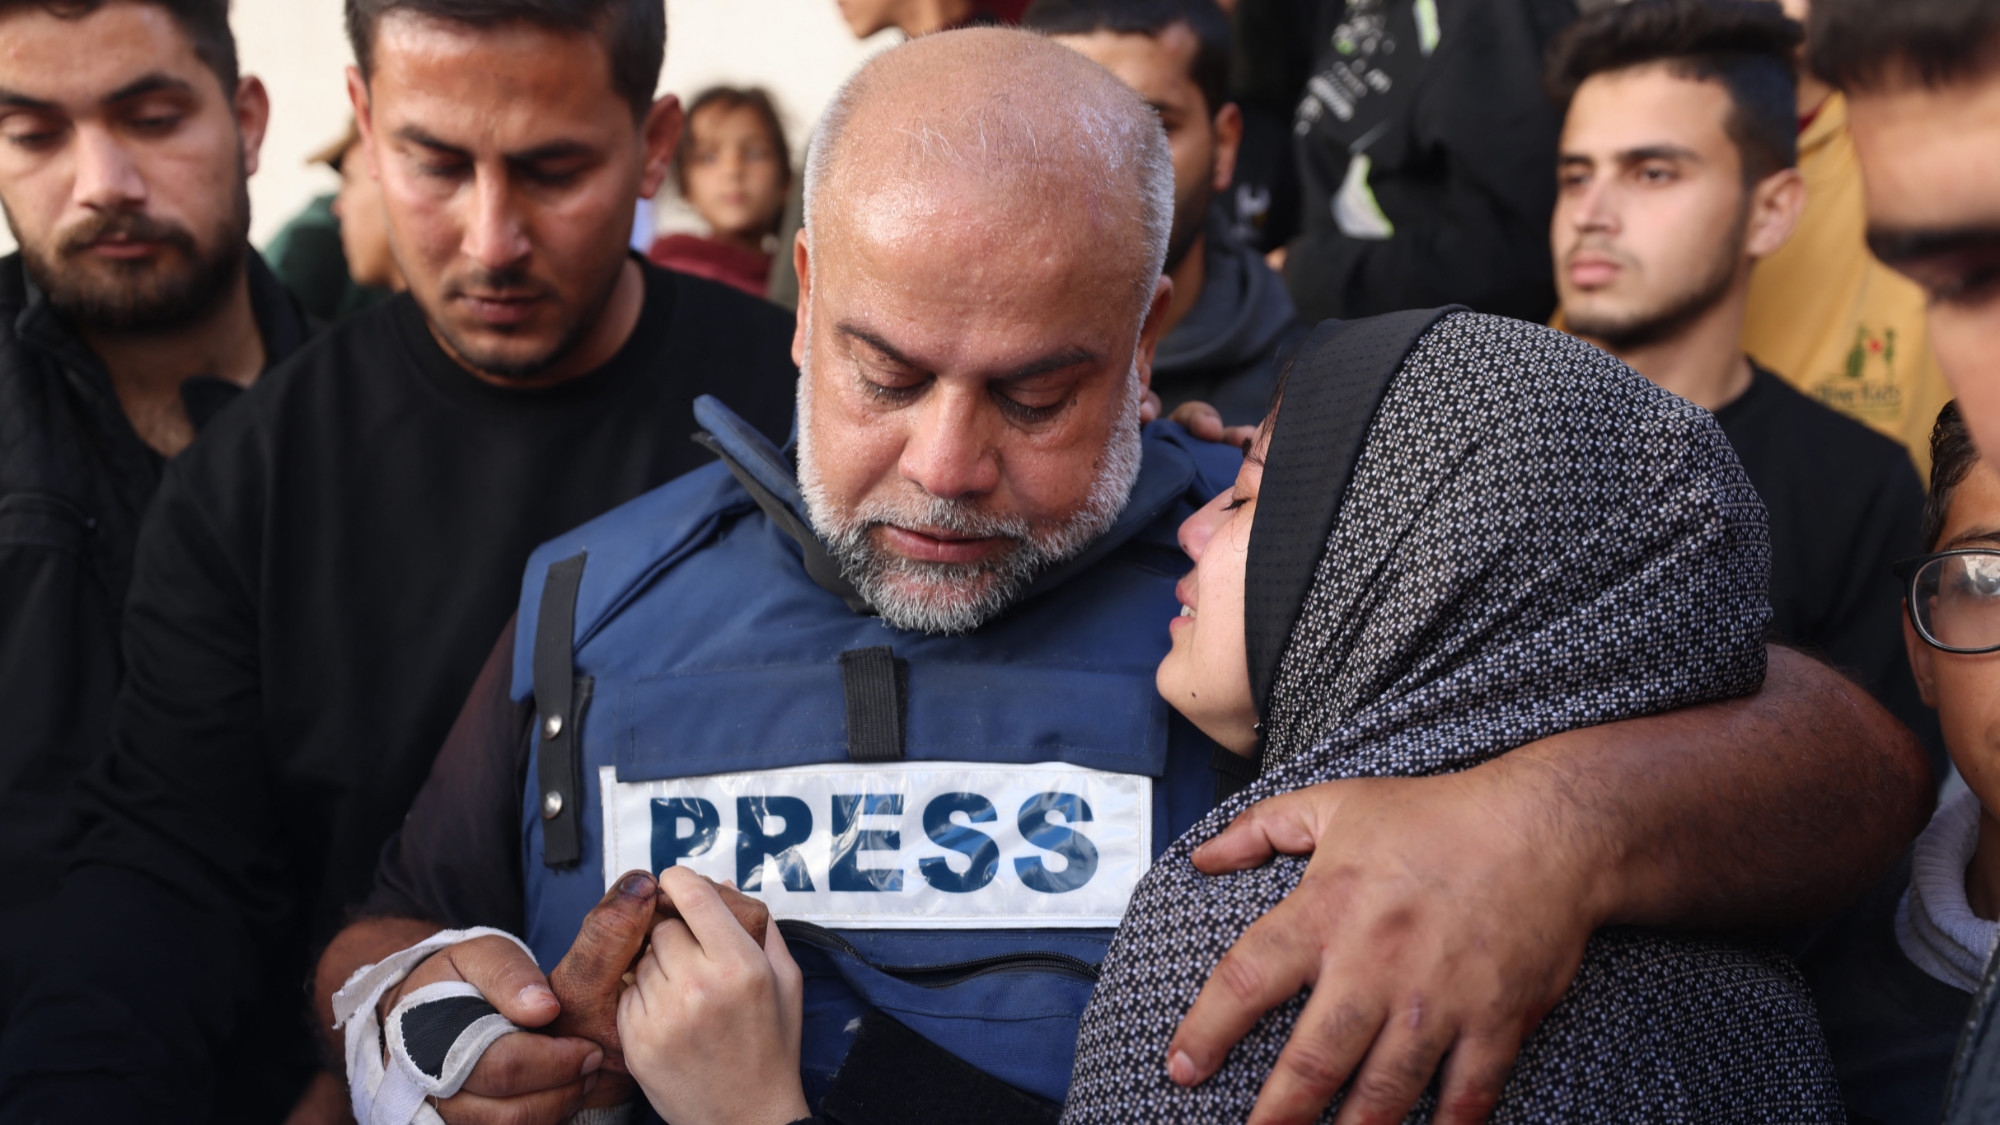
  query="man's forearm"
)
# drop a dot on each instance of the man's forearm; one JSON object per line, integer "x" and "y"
{"x": 362, "y": 943}
{"x": 1757, "y": 813}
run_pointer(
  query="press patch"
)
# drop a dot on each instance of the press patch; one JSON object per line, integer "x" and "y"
{"x": 903, "y": 845}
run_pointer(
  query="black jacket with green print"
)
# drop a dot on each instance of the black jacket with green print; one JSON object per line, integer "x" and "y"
{"x": 1425, "y": 145}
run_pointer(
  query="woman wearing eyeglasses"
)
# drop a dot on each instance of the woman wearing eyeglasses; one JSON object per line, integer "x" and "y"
{"x": 1894, "y": 978}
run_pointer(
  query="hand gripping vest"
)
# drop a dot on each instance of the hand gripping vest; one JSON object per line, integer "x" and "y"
{"x": 948, "y": 826}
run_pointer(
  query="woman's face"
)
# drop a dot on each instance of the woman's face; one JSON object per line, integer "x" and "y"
{"x": 1207, "y": 674}
{"x": 734, "y": 178}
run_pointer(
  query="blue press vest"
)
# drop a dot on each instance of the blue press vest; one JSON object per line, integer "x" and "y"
{"x": 709, "y": 650}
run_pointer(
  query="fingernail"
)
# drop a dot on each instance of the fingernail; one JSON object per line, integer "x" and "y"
{"x": 535, "y": 995}
{"x": 636, "y": 885}
{"x": 1180, "y": 1068}
{"x": 592, "y": 1061}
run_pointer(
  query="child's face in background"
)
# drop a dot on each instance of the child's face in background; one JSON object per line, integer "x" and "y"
{"x": 1965, "y": 689}
{"x": 735, "y": 177}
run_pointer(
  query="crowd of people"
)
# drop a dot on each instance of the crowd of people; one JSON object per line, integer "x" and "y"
{"x": 1286, "y": 560}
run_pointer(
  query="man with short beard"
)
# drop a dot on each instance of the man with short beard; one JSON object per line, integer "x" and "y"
{"x": 320, "y": 576}
{"x": 1231, "y": 325}
{"x": 1676, "y": 174}
{"x": 134, "y": 310}
{"x": 906, "y": 695}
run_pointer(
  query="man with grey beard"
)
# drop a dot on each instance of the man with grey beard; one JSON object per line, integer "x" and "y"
{"x": 903, "y": 692}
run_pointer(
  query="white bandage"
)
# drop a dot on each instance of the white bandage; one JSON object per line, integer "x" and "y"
{"x": 396, "y": 1094}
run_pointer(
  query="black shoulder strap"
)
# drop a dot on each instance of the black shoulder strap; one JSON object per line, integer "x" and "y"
{"x": 820, "y": 564}
{"x": 1972, "y": 1089}
{"x": 1331, "y": 393}
{"x": 555, "y": 714}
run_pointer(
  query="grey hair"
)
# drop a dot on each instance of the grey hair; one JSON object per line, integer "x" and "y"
{"x": 1115, "y": 128}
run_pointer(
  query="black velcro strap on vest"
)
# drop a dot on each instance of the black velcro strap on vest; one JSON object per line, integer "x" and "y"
{"x": 876, "y": 685}
{"x": 555, "y": 715}
{"x": 893, "y": 1076}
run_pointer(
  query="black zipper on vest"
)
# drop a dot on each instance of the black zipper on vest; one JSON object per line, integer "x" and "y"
{"x": 950, "y": 973}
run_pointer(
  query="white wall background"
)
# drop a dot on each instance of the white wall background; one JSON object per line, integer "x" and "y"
{"x": 798, "y": 49}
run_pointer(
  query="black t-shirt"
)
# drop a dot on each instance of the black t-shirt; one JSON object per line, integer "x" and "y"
{"x": 1845, "y": 503}
{"x": 317, "y": 585}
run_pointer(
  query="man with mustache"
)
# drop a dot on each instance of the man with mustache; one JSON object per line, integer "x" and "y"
{"x": 134, "y": 309}
{"x": 1676, "y": 173}
{"x": 321, "y": 574}
{"x": 861, "y": 683}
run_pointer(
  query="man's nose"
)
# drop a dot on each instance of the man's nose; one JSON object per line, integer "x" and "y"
{"x": 949, "y": 455}
{"x": 1595, "y": 208}
{"x": 106, "y": 178}
{"x": 495, "y": 237}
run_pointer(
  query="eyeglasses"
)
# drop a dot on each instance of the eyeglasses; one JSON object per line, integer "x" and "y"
{"x": 1954, "y": 599}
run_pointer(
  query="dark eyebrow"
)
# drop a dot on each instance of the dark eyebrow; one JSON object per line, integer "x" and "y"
{"x": 1658, "y": 152}
{"x": 14, "y": 100}
{"x": 1891, "y": 245}
{"x": 1983, "y": 535}
{"x": 554, "y": 150}
{"x": 1055, "y": 361}
{"x": 150, "y": 84}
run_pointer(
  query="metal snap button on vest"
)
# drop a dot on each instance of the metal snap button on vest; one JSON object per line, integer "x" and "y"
{"x": 552, "y": 726}
{"x": 551, "y": 805}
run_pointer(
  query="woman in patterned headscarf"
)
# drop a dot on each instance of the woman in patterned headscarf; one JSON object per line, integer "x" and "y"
{"x": 1425, "y": 564}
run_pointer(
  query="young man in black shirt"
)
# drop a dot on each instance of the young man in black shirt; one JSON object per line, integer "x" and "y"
{"x": 1676, "y": 174}
{"x": 1231, "y": 324}
{"x": 133, "y": 311}
{"x": 322, "y": 575}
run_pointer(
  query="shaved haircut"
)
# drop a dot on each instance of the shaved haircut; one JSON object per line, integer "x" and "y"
{"x": 1058, "y": 124}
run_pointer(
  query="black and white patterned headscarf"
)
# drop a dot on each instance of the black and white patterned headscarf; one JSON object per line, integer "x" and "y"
{"x": 1532, "y": 538}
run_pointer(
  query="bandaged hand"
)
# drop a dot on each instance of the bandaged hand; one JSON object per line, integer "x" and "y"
{"x": 710, "y": 1026}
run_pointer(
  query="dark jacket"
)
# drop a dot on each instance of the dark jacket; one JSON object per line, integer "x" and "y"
{"x": 74, "y": 480}
{"x": 1426, "y": 148}
{"x": 1228, "y": 349}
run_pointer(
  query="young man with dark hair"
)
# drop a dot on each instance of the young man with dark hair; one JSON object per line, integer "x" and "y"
{"x": 133, "y": 311}
{"x": 1827, "y": 317}
{"x": 1231, "y": 324}
{"x": 1675, "y": 176}
{"x": 321, "y": 576}
{"x": 1923, "y": 99}
{"x": 1894, "y": 978}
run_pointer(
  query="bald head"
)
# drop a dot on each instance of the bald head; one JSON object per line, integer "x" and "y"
{"x": 1001, "y": 128}
{"x": 979, "y": 300}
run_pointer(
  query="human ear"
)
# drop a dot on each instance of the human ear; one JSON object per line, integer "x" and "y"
{"x": 1775, "y": 206}
{"x": 1922, "y": 657}
{"x": 1149, "y": 332}
{"x": 659, "y": 134}
{"x": 1228, "y": 129}
{"x": 802, "y": 262}
{"x": 252, "y": 105}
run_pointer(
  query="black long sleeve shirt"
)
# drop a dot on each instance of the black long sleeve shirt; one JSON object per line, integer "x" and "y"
{"x": 317, "y": 585}
{"x": 75, "y": 479}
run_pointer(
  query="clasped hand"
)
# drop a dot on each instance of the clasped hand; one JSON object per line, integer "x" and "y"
{"x": 703, "y": 971}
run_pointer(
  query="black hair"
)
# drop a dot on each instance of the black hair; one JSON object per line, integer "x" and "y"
{"x": 634, "y": 32}
{"x": 1746, "y": 45}
{"x": 754, "y": 98}
{"x": 1858, "y": 44}
{"x": 204, "y": 22}
{"x": 1148, "y": 17}
{"x": 1952, "y": 456}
